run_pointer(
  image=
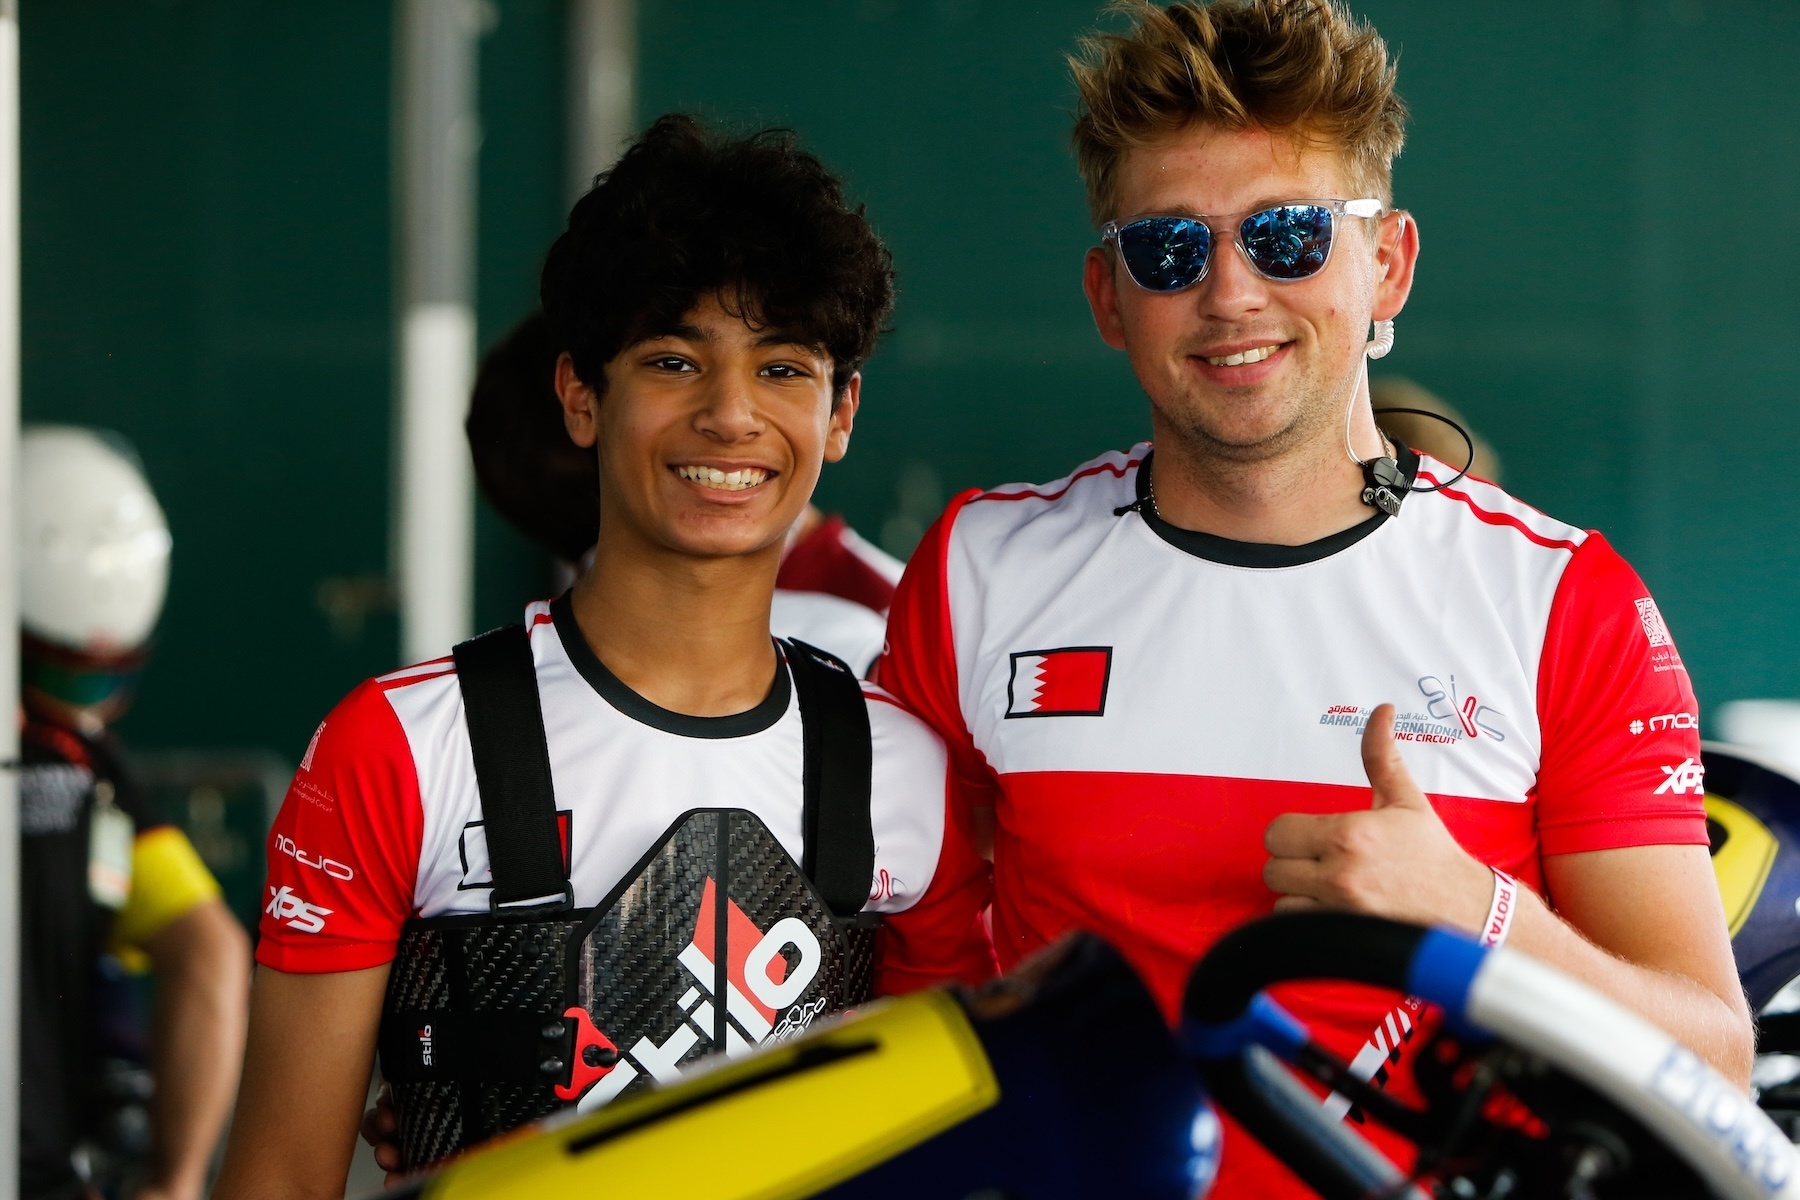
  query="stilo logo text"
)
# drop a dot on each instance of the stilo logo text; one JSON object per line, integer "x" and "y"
{"x": 767, "y": 975}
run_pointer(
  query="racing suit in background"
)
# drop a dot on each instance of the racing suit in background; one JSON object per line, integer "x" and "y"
{"x": 99, "y": 871}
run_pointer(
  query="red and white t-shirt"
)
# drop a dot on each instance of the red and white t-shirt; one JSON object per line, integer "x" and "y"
{"x": 836, "y": 560}
{"x": 1138, "y": 702}
{"x": 833, "y": 591}
{"x": 383, "y": 820}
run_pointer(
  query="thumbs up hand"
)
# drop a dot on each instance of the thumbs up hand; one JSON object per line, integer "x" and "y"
{"x": 1396, "y": 859}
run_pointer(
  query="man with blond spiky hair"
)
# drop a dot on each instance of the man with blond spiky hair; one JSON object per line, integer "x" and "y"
{"x": 1278, "y": 662}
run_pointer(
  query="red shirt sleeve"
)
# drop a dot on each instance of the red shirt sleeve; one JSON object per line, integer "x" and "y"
{"x": 918, "y": 665}
{"x": 833, "y": 560}
{"x": 1620, "y": 764}
{"x": 344, "y": 851}
{"x": 944, "y": 937}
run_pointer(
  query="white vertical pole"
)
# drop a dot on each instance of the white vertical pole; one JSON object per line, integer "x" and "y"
{"x": 438, "y": 133}
{"x": 9, "y": 598}
{"x": 602, "y": 86}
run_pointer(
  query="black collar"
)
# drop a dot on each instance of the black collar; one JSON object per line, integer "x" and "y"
{"x": 1231, "y": 553}
{"x": 613, "y": 690}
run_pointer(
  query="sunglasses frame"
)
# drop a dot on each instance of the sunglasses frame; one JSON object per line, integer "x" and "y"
{"x": 1367, "y": 207}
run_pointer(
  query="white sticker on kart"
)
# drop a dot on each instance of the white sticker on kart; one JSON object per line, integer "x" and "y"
{"x": 1727, "y": 1116}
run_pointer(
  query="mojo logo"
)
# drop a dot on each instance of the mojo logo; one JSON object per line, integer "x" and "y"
{"x": 1679, "y": 780}
{"x": 1656, "y": 724}
{"x": 330, "y": 866}
{"x": 1444, "y": 704}
{"x": 294, "y": 912}
{"x": 765, "y": 973}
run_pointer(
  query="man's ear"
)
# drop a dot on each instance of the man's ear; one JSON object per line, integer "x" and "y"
{"x": 843, "y": 416}
{"x": 581, "y": 407}
{"x": 1101, "y": 286}
{"x": 1396, "y": 254}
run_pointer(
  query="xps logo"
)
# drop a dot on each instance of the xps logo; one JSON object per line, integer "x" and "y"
{"x": 294, "y": 912}
{"x": 1682, "y": 779}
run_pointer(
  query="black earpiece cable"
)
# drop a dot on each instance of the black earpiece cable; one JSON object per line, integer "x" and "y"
{"x": 1468, "y": 441}
{"x": 1382, "y": 486}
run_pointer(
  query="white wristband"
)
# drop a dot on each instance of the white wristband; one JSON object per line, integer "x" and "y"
{"x": 1501, "y": 909}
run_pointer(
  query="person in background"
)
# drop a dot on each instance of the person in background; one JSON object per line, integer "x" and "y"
{"x": 1426, "y": 434}
{"x": 98, "y": 870}
{"x": 833, "y": 589}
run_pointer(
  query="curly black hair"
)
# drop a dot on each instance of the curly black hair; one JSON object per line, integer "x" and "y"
{"x": 687, "y": 212}
{"x": 525, "y": 463}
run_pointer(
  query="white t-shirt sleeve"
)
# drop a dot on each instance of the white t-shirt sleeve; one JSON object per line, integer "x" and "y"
{"x": 930, "y": 884}
{"x": 847, "y": 629}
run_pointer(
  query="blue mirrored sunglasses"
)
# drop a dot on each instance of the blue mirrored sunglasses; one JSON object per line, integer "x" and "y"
{"x": 1283, "y": 242}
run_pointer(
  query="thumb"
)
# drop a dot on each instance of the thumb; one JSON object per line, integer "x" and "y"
{"x": 1392, "y": 782}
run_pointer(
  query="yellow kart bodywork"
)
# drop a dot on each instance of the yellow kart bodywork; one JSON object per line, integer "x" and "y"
{"x": 788, "y": 1122}
{"x": 1742, "y": 863}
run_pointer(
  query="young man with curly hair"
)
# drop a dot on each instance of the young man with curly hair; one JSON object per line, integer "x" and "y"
{"x": 1171, "y": 677}
{"x": 833, "y": 589}
{"x": 674, "y": 835}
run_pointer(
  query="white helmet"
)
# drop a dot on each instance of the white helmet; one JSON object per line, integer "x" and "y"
{"x": 94, "y": 545}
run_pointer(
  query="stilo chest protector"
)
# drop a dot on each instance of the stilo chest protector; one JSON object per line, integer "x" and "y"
{"x": 716, "y": 940}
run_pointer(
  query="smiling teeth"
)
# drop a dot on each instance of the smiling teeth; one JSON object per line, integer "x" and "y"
{"x": 1248, "y": 356}
{"x": 729, "y": 481}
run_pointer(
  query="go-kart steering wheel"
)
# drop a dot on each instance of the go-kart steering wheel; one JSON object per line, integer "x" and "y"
{"x": 1537, "y": 1086}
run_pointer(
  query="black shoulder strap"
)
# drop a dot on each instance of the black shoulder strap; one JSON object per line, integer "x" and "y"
{"x": 840, "y": 840}
{"x": 512, "y": 767}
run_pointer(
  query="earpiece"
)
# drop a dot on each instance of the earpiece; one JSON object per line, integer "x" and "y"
{"x": 1384, "y": 485}
{"x": 1382, "y": 342}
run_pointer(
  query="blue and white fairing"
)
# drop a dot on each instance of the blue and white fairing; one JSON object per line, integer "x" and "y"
{"x": 1709, "y": 1121}
{"x": 1630, "y": 1066}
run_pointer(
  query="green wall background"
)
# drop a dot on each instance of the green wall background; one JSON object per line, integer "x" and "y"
{"x": 207, "y": 265}
{"x": 1604, "y": 188}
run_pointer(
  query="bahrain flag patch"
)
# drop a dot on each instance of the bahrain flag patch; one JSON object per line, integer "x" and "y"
{"x": 1067, "y": 682}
